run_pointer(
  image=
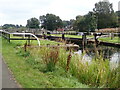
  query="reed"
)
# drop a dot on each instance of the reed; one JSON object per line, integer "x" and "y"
{"x": 96, "y": 73}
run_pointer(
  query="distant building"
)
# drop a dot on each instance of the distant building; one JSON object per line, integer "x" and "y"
{"x": 60, "y": 29}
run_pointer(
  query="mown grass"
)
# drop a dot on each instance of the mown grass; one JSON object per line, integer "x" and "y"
{"x": 30, "y": 70}
{"x": 108, "y": 39}
{"x": 72, "y": 36}
{"x": 33, "y": 42}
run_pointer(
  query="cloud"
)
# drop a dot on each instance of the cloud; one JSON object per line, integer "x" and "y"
{"x": 18, "y": 11}
{"x": 119, "y": 6}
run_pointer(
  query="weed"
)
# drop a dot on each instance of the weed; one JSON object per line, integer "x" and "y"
{"x": 68, "y": 60}
{"x": 23, "y": 53}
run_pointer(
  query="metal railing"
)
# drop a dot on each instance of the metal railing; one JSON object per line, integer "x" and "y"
{"x": 7, "y": 36}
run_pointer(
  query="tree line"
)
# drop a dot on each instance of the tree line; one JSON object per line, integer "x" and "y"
{"x": 102, "y": 16}
{"x": 11, "y": 26}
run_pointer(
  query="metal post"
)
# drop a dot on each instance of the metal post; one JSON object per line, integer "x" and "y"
{"x": 9, "y": 38}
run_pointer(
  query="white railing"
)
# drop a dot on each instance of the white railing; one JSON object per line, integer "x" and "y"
{"x": 7, "y": 35}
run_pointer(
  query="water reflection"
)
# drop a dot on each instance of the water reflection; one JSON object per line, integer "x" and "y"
{"x": 115, "y": 60}
{"x": 110, "y": 53}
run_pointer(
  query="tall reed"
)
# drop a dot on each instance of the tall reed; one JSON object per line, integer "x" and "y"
{"x": 96, "y": 73}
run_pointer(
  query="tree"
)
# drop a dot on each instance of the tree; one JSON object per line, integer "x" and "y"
{"x": 78, "y": 23}
{"x": 17, "y": 26}
{"x": 90, "y": 20}
{"x": 8, "y": 26}
{"x": 33, "y": 23}
{"x": 118, "y": 15}
{"x": 106, "y": 18}
{"x": 65, "y": 23}
{"x": 85, "y": 23}
{"x": 50, "y": 22}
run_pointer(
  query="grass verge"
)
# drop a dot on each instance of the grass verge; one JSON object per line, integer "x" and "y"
{"x": 30, "y": 71}
{"x": 56, "y": 67}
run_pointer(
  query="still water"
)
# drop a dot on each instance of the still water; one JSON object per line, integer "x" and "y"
{"x": 109, "y": 53}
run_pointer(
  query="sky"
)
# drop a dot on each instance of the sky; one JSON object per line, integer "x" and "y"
{"x": 19, "y": 11}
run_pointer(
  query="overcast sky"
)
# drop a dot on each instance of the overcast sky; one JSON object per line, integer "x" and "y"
{"x": 19, "y": 11}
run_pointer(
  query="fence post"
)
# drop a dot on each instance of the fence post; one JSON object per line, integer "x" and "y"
{"x": 28, "y": 39}
{"x": 84, "y": 41}
{"x": 9, "y": 38}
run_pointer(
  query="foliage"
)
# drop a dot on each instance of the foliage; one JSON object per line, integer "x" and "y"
{"x": 106, "y": 18}
{"x": 79, "y": 24}
{"x": 90, "y": 21}
{"x": 118, "y": 14}
{"x": 85, "y": 23}
{"x": 65, "y": 23}
{"x": 68, "y": 24}
{"x": 11, "y": 26}
{"x": 50, "y": 22}
{"x": 33, "y": 23}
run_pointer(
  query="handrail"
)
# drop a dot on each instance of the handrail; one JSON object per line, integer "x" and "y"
{"x": 23, "y": 34}
{"x": 27, "y": 34}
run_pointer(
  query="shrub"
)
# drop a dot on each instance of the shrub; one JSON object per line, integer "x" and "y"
{"x": 48, "y": 56}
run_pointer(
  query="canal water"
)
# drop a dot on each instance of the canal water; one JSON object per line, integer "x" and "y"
{"x": 109, "y": 53}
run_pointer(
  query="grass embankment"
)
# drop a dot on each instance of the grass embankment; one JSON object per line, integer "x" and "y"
{"x": 56, "y": 67}
{"x": 29, "y": 69}
{"x": 108, "y": 39}
{"x": 72, "y": 36}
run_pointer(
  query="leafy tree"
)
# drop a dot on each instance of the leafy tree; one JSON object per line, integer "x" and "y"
{"x": 106, "y": 18}
{"x": 118, "y": 15}
{"x": 85, "y": 23}
{"x": 90, "y": 21}
{"x": 80, "y": 23}
{"x": 21, "y": 26}
{"x": 17, "y": 26}
{"x": 50, "y": 22}
{"x": 33, "y": 23}
{"x": 65, "y": 23}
